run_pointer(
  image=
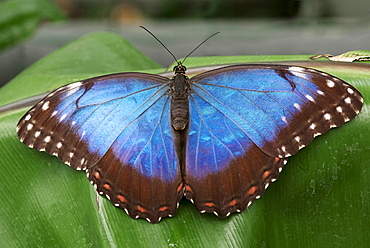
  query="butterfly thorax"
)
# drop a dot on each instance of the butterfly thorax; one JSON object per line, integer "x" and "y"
{"x": 179, "y": 91}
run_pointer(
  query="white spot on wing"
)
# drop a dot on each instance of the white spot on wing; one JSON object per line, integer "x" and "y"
{"x": 336, "y": 79}
{"x": 348, "y": 100}
{"x": 45, "y": 106}
{"x": 283, "y": 118}
{"x": 28, "y": 117}
{"x": 320, "y": 92}
{"x": 37, "y": 134}
{"x": 299, "y": 72}
{"x": 72, "y": 88}
{"x": 47, "y": 139}
{"x": 297, "y": 106}
{"x": 301, "y": 146}
{"x": 63, "y": 117}
{"x": 54, "y": 113}
{"x": 339, "y": 109}
{"x": 296, "y": 68}
{"x": 283, "y": 148}
{"x": 327, "y": 116}
{"x": 29, "y": 127}
{"x": 309, "y": 98}
{"x": 316, "y": 134}
{"x": 350, "y": 91}
{"x": 59, "y": 145}
{"x": 330, "y": 84}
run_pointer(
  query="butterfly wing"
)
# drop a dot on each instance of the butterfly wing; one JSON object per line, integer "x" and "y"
{"x": 117, "y": 128}
{"x": 247, "y": 120}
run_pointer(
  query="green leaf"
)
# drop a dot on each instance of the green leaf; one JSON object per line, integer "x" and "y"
{"x": 19, "y": 19}
{"x": 321, "y": 198}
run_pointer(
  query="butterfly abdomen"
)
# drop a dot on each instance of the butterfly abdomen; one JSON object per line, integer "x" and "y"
{"x": 180, "y": 102}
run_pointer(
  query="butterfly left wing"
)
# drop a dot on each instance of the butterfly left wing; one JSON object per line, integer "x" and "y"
{"x": 117, "y": 128}
{"x": 246, "y": 120}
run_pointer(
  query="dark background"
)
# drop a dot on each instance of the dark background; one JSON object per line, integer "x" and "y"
{"x": 248, "y": 27}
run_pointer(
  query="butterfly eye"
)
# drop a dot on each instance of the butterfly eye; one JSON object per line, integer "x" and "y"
{"x": 179, "y": 69}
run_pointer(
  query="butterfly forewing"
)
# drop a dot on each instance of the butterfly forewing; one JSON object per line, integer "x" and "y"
{"x": 247, "y": 120}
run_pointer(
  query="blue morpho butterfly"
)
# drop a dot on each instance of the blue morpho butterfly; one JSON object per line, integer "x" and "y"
{"x": 218, "y": 138}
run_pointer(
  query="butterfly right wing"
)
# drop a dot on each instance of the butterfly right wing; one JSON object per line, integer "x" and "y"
{"x": 117, "y": 128}
{"x": 247, "y": 120}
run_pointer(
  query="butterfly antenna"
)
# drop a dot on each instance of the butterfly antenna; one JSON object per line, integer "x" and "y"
{"x": 199, "y": 46}
{"x": 160, "y": 43}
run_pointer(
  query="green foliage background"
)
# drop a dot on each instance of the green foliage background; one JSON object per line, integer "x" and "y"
{"x": 20, "y": 18}
{"x": 321, "y": 199}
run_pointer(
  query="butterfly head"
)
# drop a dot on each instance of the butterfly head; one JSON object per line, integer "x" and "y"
{"x": 179, "y": 68}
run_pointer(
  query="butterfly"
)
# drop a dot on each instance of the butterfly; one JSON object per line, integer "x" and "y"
{"x": 218, "y": 139}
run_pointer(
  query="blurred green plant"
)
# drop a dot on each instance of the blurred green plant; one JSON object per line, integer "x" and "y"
{"x": 20, "y": 18}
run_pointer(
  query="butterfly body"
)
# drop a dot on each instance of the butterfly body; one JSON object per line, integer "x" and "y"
{"x": 179, "y": 92}
{"x": 218, "y": 138}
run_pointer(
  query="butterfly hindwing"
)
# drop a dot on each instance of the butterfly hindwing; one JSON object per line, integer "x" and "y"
{"x": 225, "y": 170}
{"x": 246, "y": 120}
{"x": 116, "y": 128}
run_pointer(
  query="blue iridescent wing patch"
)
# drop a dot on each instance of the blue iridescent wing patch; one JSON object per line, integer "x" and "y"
{"x": 219, "y": 138}
{"x": 246, "y": 120}
{"x": 116, "y": 128}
